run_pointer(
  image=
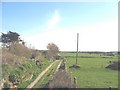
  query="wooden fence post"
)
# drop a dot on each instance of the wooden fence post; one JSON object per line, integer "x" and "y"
{"x": 65, "y": 66}
{"x": 71, "y": 77}
{"x": 75, "y": 81}
{"x": 110, "y": 87}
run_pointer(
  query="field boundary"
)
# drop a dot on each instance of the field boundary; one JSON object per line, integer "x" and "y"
{"x": 58, "y": 66}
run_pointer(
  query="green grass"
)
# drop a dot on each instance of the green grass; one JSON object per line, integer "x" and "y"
{"x": 24, "y": 71}
{"x": 92, "y": 72}
{"x": 87, "y": 55}
{"x": 44, "y": 80}
{"x": 35, "y": 70}
{"x": 80, "y": 54}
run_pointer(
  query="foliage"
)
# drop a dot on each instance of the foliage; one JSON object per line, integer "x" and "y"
{"x": 34, "y": 53}
{"x": 52, "y": 47}
{"x": 16, "y": 64}
{"x": 19, "y": 54}
{"x": 53, "y": 51}
{"x": 9, "y": 38}
{"x": 23, "y": 72}
{"x": 48, "y": 75}
{"x": 62, "y": 66}
{"x": 6, "y": 86}
{"x": 12, "y": 78}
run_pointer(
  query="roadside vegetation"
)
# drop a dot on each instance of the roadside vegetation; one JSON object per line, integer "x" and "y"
{"x": 48, "y": 76}
{"x": 22, "y": 70}
{"x": 21, "y": 65}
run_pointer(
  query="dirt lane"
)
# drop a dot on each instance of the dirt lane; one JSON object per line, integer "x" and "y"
{"x": 58, "y": 67}
{"x": 40, "y": 76}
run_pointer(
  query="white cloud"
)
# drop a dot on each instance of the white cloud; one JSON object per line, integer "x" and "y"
{"x": 94, "y": 37}
{"x": 54, "y": 21}
{"x": 98, "y": 36}
{"x": 101, "y": 36}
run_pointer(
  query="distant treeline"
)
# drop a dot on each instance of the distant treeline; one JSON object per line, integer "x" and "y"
{"x": 90, "y": 52}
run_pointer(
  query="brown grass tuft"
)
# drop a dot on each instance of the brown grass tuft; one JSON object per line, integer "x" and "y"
{"x": 61, "y": 79}
{"x": 17, "y": 54}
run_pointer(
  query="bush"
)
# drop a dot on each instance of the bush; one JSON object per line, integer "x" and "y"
{"x": 11, "y": 78}
{"x": 7, "y": 86}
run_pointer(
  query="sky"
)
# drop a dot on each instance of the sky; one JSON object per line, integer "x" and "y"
{"x": 40, "y": 23}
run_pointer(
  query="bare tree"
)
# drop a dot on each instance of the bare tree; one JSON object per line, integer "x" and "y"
{"x": 53, "y": 51}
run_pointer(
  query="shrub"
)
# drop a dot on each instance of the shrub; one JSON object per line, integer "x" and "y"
{"x": 11, "y": 78}
{"x": 6, "y": 86}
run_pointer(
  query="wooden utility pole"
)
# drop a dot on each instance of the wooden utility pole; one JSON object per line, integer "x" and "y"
{"x": 77, "y": 47}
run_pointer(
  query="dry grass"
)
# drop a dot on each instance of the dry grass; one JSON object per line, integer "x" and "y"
{"x": 62, "y": 79}
{"x": 21, "y": 50}
{"x": 18, "y": 54}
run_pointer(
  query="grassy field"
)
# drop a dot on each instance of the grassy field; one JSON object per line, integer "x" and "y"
{"x": 92, "y": 72}
{"x": 64, "y": 54}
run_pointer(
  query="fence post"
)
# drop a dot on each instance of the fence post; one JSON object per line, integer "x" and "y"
{"x": 75, "y": 81}
{"x": 110, "y": 87}
{"x": 71, "y": 77}
{"x": 65, "y": 66}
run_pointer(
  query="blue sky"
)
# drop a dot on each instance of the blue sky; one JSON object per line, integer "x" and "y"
{"x": 59, "y": 22}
